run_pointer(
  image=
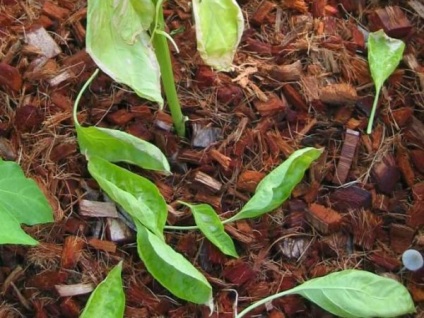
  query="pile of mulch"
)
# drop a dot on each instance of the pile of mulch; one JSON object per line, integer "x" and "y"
{"x": 301, "y": 78}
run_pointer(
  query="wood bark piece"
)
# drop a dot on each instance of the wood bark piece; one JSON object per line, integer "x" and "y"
{"x": 324, "y": 219}
{"x": 418, "y": 191}
{"x": 10, "y": 77}
{"x": 98, "y": 209}
{"x": 222, "y": 159}
{"x": 414, "y": 132}
{"x": 206, "y": 180}
{"x": 401, "y": 117}
{"x": 102, "y": 245}
{"x": 365, "y": 227}
{"x": 69, "y": 307}
{"x": 204, "y": 136}
{"x": 285, "y": 73}
{"x": 42, "y": 40}
{"x": 416, "y": 215}
{"x": 54, "y": 11}
{"x": 346, "y": 157}
{"x": 248, "y": 180}
{"x": 392, "y": 20}
{"x": 71, "y": 252}
{"x": 418, "y": 7}
{"x": 350, "y": 198}
{"x": 73, "y": 290}
{"x": 294, "y": 97}
{"x": 262, "y": 13}
{"x": 271, "y": 107}
{"x": 386, "y": 174}
{"x": 238, "y": 272}
{"x": 403, "y": 161}
{"x": 338, "y": 94}
{"x": 401, "y": 237}
{"x": 417, "y": 156}
{"x": 117, "y": 231}
{"x": 385, "y": 261}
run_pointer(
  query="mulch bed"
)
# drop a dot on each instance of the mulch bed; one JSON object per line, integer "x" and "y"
{"x": 301, "y": 78}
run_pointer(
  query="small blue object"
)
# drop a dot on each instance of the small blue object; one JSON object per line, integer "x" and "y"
{"x": 412, "y": 260}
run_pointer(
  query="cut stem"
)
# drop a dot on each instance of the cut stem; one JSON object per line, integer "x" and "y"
{"x": 373, "y": 110}
{"x": 163, "y": 56}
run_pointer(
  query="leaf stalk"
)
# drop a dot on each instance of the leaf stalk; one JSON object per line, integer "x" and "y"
{"x": 163, "y": 56}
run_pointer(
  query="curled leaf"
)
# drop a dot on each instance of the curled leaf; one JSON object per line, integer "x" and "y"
{"x": 219, "y": 26}
{"x": 277, "y": 186}
{"x": 211, "y": 226}
{"x": 171, "y": 269}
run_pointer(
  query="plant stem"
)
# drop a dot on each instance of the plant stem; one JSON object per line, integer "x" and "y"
{"x": 181, "y": 228}
{"x": 163, "y": 56}
{"x": 374, "y": 108}
{"x": 77, "y": 100}
{"x": 264, "y": 301}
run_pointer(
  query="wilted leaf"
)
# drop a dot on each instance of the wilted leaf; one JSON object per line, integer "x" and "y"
{"x": 132, "y": 64}
{"x": 171, "y": 269}
{"x": 137, "y": 195}
{"x": 115, "y": 146}
{"x": 108, "y": 299}
{"x": 219, "y": 26}
{"x": 277, "y": 186}
{"x": 211, "y": 226}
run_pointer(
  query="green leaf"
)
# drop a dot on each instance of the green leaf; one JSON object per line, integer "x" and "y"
{"x": 11, "y": 231}
{"x": 108, "y": 299}
{"x": 384, "y": 55}
{"x": 219, "y": 27}
{"x": 137, "y": 195}
{"x": 131, "y": 17}
{"x": 211, "y": 226}
{"x": 115, "y": 145}
{"x": 277, "y": 186}
{"x": 355, "y": 293}
{"x": 21, "y": 198}
{"x": 171, "y": 269}
{"x": 132, "y": 64}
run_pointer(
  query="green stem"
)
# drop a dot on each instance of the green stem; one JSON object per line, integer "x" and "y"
{"x": 163, "y": 56}
{"x": 77, "y": 100}
{"x": 264, "y": 301}
{"x": 181, "y": 228}
{"x": 374, "y": 108}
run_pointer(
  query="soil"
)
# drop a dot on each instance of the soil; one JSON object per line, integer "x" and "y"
{"x": 301, "y": 78}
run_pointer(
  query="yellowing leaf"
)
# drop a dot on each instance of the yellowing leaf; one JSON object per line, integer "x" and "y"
{"x": 133, "y": 64}
{"x": 131, "y": 17}
{"x": 219, "y": 27}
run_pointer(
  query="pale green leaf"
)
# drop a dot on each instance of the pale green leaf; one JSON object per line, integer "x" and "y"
{"x": 211, "y": 226}
{"x": 115, "y": 146}
{"x": 277, "y": 186}
{"x": 219, "y": 26}
{"x": 131, "y": 17}
{"x": 171, "y": 269}
{"x": 108, "y": 299}
{"x": 355, "y": 293}
{"x": 137, "y": 195}
{"x": 384, "y": 55}
{"x": 132, "y": 64}
{"x": 11, "y": 231}
{"x": 20, "y": 197}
